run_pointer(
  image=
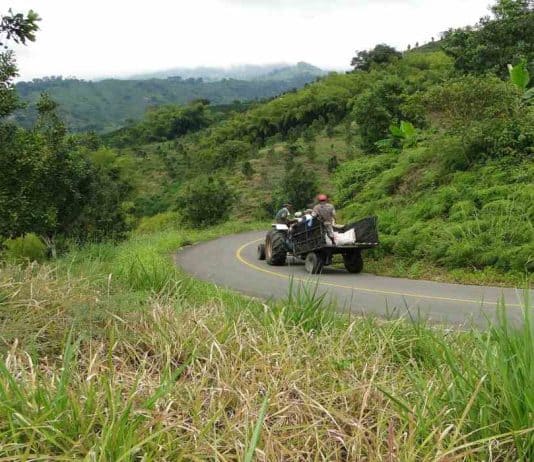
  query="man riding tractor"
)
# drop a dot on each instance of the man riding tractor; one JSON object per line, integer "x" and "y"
{"x": 282, "y": 216}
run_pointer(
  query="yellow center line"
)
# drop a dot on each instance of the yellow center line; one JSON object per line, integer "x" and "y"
{"x": 239, "y": 256}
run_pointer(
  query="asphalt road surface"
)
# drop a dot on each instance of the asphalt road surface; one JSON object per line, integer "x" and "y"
{"x": 231, "y": 262}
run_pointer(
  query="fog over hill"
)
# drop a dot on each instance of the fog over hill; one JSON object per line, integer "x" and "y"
{"x": 273, "y": 71}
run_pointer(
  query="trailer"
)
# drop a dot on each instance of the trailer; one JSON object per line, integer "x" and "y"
{"x": 308, "y": 240}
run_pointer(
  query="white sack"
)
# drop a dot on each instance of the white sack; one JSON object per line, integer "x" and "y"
{"x": 346, "y": 238}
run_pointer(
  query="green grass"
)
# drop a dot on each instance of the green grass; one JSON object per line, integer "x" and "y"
{"x": 387, "y": 265}
{"x": 113, "y": 354}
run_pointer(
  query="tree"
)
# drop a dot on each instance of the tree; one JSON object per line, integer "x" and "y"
{"x": 494, "y": 42}
{"x": 49, "y": 184}
{"x": 19, "y": 29}
{"x": 231, "y": 151}
{"x": 205, "y": 201}
{"x": 380, "y": 54}
{"x": 376, "y": 109}
{"x": 299, "y": 187}
{"x": 51, "y": 187}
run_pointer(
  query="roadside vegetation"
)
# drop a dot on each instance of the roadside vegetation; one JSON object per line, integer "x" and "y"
{"x": 110, "y": 353}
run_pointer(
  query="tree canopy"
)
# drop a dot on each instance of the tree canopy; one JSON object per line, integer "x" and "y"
{"x": 380, "y": 54}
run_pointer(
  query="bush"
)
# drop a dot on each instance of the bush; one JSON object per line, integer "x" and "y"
{"x": 299, "y": 187}
{"x": 26, "y": 248}
{"x": 231, "y": 151}
{"x": 376, "y": 109}
{"x": 205, "y": 201}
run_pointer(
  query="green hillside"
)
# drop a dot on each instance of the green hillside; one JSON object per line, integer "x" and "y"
{"x": 110, "y": 104}
{"x": 455, "y": 191}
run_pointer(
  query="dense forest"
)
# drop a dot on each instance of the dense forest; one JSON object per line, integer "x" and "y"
{"x": 437, "y": 141}
{"x": 109, "y": 104}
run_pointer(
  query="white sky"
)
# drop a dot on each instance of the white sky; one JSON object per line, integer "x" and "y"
{"x": 91, "y": 38}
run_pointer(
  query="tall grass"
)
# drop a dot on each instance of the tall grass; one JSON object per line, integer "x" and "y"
{"x": 119, "y": 367}
{"x": 479, "y": 385}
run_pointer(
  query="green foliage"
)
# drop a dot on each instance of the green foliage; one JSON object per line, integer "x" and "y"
{"x": 247, "y": 170}
{"x": 519, "y": 75}
{"x": 18, "y": 28}
{"x": 403, "y": 135}
{"x": 376, "y": 109}
{"x": 142, "y": 268}
{"x": 333, "y": 163}
{"x": 462, "y": 100}
{"x": 163, "y": 123}
{"x": 496, "y": 42}
{"x": 159, "y": 222}
{"x": 112, "y": 104}
{"x": 230, "y": 152}
{"x": 205, "y": 201}
{"x": 380, "y": 54}
{"x": 25, "y": 248}
{"x": 49, "y": 186}
{"x": 299, "y": 186}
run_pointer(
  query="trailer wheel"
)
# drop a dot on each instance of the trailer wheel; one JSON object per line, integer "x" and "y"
{"x": 275, "y": 248}
{"x": 353, "y": 261}
{"x": 314, "y": 263}
{"x": 261, "y": 251}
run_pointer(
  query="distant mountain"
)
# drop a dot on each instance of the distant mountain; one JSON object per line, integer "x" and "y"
{"x": 109, "y": 104}
{"x": 276, "y": 71}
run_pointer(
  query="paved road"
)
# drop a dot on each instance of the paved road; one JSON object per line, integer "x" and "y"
{"x": 231, "y": 262}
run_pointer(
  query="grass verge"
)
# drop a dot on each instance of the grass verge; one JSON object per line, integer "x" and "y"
{"x": 112, "y": 354}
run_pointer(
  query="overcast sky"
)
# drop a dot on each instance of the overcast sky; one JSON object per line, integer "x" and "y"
{"x": 92, "y": 38}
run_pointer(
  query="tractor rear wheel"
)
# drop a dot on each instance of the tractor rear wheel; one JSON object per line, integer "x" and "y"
{"x": 353, "y": 261}
{"x": 275, "y": 248}
{"x": 314, "y": 263}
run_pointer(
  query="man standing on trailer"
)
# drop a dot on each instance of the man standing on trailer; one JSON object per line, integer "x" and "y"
{"x": 326, "y": 213}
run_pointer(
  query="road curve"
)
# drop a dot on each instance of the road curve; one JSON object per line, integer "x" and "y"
{"x": 231, "y": 262}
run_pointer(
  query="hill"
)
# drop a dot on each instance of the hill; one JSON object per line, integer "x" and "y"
{"x": 109, "y": 104}
{"x": 237, "y": 72}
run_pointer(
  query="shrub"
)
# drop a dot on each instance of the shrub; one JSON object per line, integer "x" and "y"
{"x": 25, "y": 248}
{"x": 231, "y": 151}
{"x": 299, "y": 187}
{"x": 351, "y": 177}
{"x": 247, "y": 170}
{"x": 205, "y": 201}
{"x": 376, "y": 109}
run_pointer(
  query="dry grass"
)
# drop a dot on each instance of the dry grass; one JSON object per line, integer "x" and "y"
{"x": 96, "y": 369}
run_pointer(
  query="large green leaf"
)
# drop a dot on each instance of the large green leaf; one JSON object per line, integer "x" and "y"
{"x": 407, "y": 129}
{"x": 519, "y": 75}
